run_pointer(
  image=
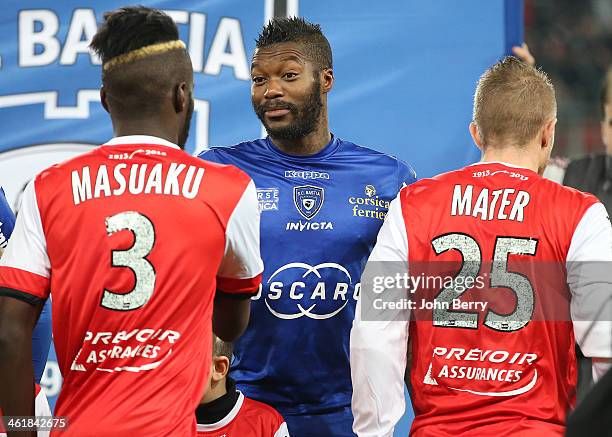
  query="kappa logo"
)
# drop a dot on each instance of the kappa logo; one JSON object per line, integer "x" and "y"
{"x": 306, "y": 174}
{"x": 308, "y": 200}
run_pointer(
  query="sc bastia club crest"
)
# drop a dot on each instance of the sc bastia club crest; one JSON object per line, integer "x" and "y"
{"x": 308, "y": 200}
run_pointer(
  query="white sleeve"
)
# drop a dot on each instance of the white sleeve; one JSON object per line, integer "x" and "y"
{"x": 42, "y": 409}
{"x": 378, "y": 348}
{"x": 282, "y": 431}
{"x": 25, "y": 264}
{"x": 27, "y": 248}
{"x": 589, "y": 276}
{"x": 241, "y": 267}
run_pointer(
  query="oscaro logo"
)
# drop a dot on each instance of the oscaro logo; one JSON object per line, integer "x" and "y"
{"x": 318, "y": 292}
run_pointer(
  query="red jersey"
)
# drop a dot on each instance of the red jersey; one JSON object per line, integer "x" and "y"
{"x": 492, "y": 344}
{"x": 134, "y": 238}
{"x": 248, "y": 418}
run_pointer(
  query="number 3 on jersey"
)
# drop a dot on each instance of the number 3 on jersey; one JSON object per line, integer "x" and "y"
{"x": 500, "y": 277}
{"x": 134, "y": 258}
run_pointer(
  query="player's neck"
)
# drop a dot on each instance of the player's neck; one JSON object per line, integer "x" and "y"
{"x": 220, "y": 405}
{"x": 309, "y": 144}
{"x": 520, "y": 157}
{"x": 143, "y": 127}
{"x": 216, "y": 391}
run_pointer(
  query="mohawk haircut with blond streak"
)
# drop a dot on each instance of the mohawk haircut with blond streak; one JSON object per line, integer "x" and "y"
{"x": 131, "y": 28}
{"x": 513, "y": 102}
{"x": 142, "y": 57}
{"x": 143, "y": 52}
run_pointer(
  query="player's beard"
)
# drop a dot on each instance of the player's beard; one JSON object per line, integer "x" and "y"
{"x": 305, "y": 116}
{"x": 184, "y": 134}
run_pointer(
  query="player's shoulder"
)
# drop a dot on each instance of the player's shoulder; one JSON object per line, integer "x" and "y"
{"x": 441, "y": 181}
{"x": 372, "y": 154}
{"x": 349, "y": 147}
{"x": 555, "y": 191}
{"x": 222, "y": 154}
{"x": 67, "y": 166}
{"x": 224, "y": 174}
{"x": 89, "y": 158}
{"x": 219, "y": 169}
{"x": 575, "y": 202}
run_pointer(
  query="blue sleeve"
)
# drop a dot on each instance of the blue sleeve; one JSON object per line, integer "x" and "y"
{"x": 41, "y": 341}
{"x": 7, "y": 220}
{"x": 41, "y": 336}
{"x": 407, "y": 175}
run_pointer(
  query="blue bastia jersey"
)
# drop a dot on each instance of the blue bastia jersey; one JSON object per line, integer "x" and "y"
{"x": 7, "y": 220}
{"x": 320, "y": 218}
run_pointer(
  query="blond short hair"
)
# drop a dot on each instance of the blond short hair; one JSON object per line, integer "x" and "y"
{"x": 512, "y": 103}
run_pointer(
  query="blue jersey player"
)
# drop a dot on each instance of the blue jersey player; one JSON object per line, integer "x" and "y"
{"x": 41, "y": 336}
{"x": 7, "y": 221}
{"x": 323, "y": 200}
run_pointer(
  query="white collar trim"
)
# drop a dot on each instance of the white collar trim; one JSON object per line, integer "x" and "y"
{"x": 141, "y": 139}
{"x": 227, "y": 419}
{"x": 498, "y": 162}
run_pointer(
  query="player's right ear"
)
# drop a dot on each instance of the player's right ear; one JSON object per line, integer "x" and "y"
{"x": 548, "y": 133}
{"x": 180, "y": 97}
{"x": 475, "y": 135}
{"x": 103, "y": 99}
{"x": 327, "y": 80}
{"x": 220, "y": 368}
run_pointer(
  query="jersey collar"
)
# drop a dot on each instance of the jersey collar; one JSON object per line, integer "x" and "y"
{"x": 499, "y": 162}
{"x": 328, "y": 150}
{"x": 221, "y": 411}
{"x": 140, "y": 139}
{"x": 231, "y": 415}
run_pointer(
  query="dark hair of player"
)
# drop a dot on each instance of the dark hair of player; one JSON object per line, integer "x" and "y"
{"x": 130, "y": 28}
{"x": 297, "y": 30}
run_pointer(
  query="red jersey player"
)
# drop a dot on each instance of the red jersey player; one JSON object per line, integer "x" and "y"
{"x": 226, "y": 412}
{"x": 525, "y": 264}
{"x": 146, "y": 250}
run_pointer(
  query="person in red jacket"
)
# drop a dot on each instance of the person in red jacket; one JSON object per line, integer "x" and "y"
{"x": 226, "y": 412}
